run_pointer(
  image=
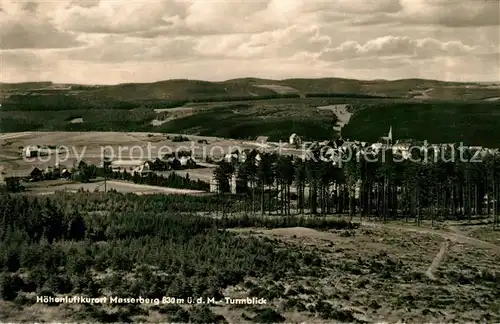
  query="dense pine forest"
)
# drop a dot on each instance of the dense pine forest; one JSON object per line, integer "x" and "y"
{"x": 435, "y": 183}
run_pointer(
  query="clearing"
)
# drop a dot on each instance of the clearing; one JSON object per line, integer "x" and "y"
{"x": 280, "y": 89}
{"x": 342, "y": 113}
{"x": 395, "y": 273}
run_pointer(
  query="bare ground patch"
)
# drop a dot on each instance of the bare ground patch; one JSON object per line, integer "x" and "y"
{"x": 278, "y": 88}
{"x": 380, "y": 274}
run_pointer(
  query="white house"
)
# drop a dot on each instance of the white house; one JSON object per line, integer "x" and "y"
{"x": 376, "y": 147}
{"x": 294, "y": 139}
{"x": 230, "y": 157}
{"x": 258, "y": 158}
{"x": 402, "y": 149}
{"x": 187, "y": 161}
{"x": 31, "y": 151}
{"x": 144, "y": 168}
{"x": 213, "y": 184}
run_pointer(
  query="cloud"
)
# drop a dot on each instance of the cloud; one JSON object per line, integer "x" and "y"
{"x": 394, "y": 46}
{"x": 115, "y": 49}
{"x": 35, "y": 35}
{"x": 110, "y": 16}
{"x": 455, "y": 13}
{"x": 139, "y": 41}
{"x": 284, "y": 43}
{"x": 24, "y": 27}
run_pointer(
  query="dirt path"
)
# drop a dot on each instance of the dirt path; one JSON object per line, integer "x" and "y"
{"x": 437, "y": 260}
{"x": 423, "y": 94}
{"x": 456, "y": 236}
{"x": 452, "y": 236}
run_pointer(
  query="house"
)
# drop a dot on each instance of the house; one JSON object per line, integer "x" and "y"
{"x": 65, "y": 174}
{"x": 333, "y": 155}
{"x": 31, "y": 151}
{"x": 243, "y": 156}
{"x": 294, "y": 139}
{"x": 143, "y": 169}
{"x": 213, "y": 184}
{"x": 258, "y": 158}
{"x": 187, "y": 162}
{"x": 376, "y": 147}
{"x": 402, "y": 149}
{"x": 59, "y": 166}
{"x": 262, "y": 139}
{"x": 347, "y": 145}
{"x": 81, "y": 165}
{"x": 233, "y": 157}
{"x": 174, "y": 163}
{"x": 36, "y": 174}
{"x": 325, "y": 143}
{"x": 338, "y": 142}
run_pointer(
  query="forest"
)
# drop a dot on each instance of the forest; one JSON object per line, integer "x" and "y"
{"x": 470, "y": 122}
{"x": 96, "y": 244}
{"x": 434, "y": 184}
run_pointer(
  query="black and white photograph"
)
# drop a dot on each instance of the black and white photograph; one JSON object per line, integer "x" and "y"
{"x": 249, "y": 161}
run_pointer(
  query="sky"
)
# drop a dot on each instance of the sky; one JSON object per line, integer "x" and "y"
{"x": 123, "y": 41}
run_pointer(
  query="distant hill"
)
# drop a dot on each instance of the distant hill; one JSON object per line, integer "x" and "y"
{"x": 249, "y": 107}
{"x": 190, "y": 90}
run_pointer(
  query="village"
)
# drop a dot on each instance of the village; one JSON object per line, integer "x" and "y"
{"x": 191, "y": 172}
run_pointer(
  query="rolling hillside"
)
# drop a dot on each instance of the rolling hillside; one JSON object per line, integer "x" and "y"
{"x": 248, "y": 107}
{"x": 252, "y": 87}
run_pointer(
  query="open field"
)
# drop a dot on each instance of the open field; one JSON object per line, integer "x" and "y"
{"x": 129, "y": 149}
{"x": 120, "y": 186}
{"x": 342, "y": 115}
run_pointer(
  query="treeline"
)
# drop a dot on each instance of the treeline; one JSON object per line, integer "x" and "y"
{"x": 432, "y": 185}
{"x": 85, "y": 173}
{"x": 246, "y": 98}
{"x": 54, "y": 102}
{"x": 445, "y": 121}
{"x": 154, "y": 104}
{"x": 50, "y": 246}
{"x": 173, "y": 180}
{"x": 347, "y": 95}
